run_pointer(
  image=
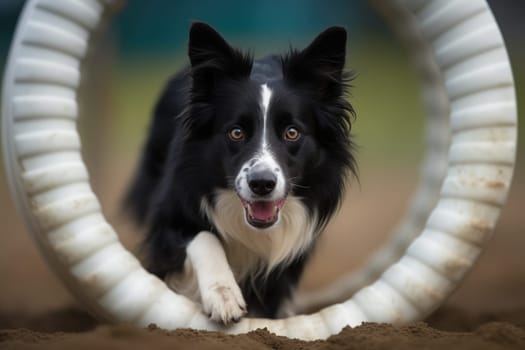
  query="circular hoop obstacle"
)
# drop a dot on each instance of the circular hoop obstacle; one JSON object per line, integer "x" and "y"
{"x": 471, "y": 141}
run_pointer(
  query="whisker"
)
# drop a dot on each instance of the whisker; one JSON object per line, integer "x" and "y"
{"x": 296, "y": 185}
{"x": 231, "y": 180}
{"x": 299, "y": 186}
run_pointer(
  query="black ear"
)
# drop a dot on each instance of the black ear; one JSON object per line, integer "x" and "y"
{"x": 328, "y": 49}
{"x": 321, "y": 64}
{"x": 210, "y": 53}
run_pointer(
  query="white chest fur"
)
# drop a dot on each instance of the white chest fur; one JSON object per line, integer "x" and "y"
{"x": 252, "y": 251}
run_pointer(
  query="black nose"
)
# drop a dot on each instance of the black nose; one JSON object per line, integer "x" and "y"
{"x": 262, "y": 182}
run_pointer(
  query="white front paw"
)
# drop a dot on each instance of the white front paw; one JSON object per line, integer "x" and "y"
{"x": 223, "y": 303}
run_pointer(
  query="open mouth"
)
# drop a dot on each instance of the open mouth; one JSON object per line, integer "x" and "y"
{"x": 262, "y": 214}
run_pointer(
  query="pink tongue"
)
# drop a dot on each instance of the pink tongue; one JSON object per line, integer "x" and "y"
{"x": 263, "y": 211}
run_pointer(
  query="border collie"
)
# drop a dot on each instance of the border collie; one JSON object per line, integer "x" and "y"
{"x": 245, "y": 163}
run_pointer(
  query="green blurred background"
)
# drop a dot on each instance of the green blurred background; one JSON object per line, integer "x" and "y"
{"x": 146, "y": 43}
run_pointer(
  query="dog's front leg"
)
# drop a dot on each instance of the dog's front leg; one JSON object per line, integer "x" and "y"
{"x": 220, "y": 294}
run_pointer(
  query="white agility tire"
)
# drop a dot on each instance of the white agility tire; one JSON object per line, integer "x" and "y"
{"x": 50, "y": 183}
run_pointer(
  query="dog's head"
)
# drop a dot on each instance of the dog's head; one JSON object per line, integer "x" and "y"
{"x": 275, "y": 128}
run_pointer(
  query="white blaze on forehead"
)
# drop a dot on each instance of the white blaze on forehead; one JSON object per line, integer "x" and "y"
{"x": 266, "y": 95}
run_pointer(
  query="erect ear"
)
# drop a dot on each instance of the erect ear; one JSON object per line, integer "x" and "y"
{"x": 210, "y": 54}
{"x": 328, "y": 50}
{"x": 321, "y": 64}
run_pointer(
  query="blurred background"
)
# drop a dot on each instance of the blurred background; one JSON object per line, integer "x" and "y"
{"x": 146, "y": 43}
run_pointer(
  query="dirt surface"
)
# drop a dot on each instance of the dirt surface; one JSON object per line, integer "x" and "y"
{"x": 73, "y": 329}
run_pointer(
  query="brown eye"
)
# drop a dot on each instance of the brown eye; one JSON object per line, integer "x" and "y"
{"x": 291, "y": 134}
{"x": 236, "y": 134}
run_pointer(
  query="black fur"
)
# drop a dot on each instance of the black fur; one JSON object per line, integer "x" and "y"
{"x": 188, "y": 157}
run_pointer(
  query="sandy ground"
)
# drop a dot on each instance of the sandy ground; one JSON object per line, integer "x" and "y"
{"x": 489, "y": 335}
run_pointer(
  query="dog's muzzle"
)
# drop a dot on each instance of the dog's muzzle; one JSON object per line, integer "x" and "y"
{"x": 262, "y": 203}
